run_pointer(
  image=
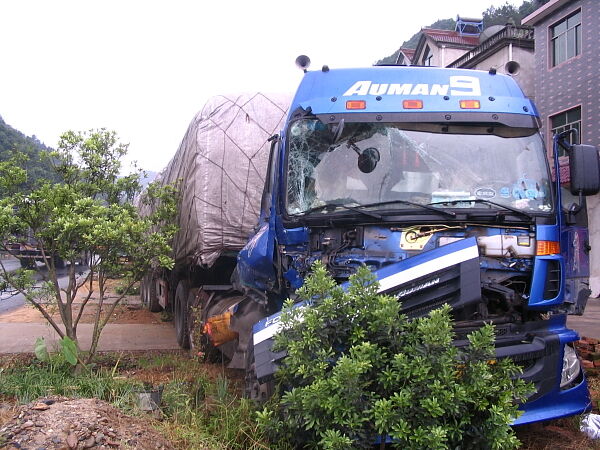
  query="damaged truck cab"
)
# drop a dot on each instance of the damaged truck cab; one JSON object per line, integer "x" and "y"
{"x": 438, "y": 180}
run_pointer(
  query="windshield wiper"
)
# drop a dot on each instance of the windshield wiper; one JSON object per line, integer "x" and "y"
{"x": 406, "y": 202}
{"x": 360, "y": 208}
{"x": 332, "y": 206}
{"x": 487, "y": 202}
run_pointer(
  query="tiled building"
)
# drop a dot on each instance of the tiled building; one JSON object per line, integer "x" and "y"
{"x": 440, "y": 47}
{"x": 567, "y": 85}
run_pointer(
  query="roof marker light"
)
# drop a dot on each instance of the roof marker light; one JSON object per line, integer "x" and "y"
{"x": 470, "y": 104}
{"x": 356, "y": 104}
{"x": 412, "y": 104}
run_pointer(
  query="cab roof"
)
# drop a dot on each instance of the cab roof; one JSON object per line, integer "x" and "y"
{"x": 383, "y": 89}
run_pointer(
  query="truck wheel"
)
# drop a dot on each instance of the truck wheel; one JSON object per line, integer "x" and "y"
{"x": 148, "y": 294}
{"x": 180, "y": 310}
{"x": 59, "y": 263}
{"x": 27, "y": 263}
{"x": 259, "y": 393}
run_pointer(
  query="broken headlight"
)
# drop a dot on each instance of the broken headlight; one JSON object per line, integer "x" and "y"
{"x": 571, "y": 367}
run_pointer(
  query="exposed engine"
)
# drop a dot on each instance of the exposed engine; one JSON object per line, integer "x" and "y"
{"x": 493, "y": 286}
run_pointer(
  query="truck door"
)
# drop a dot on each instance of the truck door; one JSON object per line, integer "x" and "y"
{"x": 255, "y": 262}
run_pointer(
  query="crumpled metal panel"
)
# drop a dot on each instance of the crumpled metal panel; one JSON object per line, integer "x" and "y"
{"x": 221, "y": 164}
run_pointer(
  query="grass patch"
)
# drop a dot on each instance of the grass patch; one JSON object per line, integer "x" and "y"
{"x": 38, "y": 379}
{"x": 201, "y": 403}
{"x": 209, "y": 414}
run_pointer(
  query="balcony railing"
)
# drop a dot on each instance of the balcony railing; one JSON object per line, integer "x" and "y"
{"x": 509, "y": 32}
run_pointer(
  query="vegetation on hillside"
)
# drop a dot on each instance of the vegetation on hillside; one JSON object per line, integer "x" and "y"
{"x": 501, "y": 15}
{"x": 37, "y": 164}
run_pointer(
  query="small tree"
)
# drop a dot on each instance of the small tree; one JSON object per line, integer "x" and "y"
{"x": 88, "y": 217}
{"x": 358, "y": 371}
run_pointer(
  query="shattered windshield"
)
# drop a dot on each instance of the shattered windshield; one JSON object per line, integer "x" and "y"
{"x": 356, "y": 164}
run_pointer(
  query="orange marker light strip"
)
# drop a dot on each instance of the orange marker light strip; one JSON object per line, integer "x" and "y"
{"x": 356, "y": 104}
{"x": 547, "y": 248}
{"x": 470, "y": 104}
{"x": 412, "y": 104}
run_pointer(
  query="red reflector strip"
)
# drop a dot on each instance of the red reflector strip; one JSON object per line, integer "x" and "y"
{"x": 470, "y": 104}
{"x": 547, "y": 248}
{"x": 356, "y": 104}
{"x": 412, "y": 104}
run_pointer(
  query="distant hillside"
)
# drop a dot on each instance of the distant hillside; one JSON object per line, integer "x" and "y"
{"x": 491, "y": 16}
{"x": 149, "y": 178}
{"x": 37, "y": 167}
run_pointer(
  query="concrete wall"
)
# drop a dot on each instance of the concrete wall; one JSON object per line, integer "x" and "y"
{"x": 449, "y": 55}
{"x": 573, "y": 83}
{"x": 442, "y": 55}
{"x": 524, "y": 77}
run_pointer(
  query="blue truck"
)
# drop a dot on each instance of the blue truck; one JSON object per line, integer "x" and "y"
{"x": 436, "y": 179}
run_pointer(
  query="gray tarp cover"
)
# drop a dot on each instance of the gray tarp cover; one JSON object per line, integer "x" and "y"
{"x": 222, "y": 163}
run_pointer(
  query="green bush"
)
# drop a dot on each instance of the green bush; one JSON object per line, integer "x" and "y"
{"x": 357, "y": 371}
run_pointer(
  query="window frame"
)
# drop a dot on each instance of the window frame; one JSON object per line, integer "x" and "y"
{"x": 564, "y": 36}
{"x": 427, "y": 56}
{"x": 566, "y": 126}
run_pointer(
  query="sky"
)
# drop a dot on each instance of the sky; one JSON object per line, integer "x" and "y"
{"x": 144, "y": 68}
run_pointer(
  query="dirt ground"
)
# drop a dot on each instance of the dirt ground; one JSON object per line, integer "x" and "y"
{"x": 62, "y": 423}
{"x": 129, "y": 311}
{"x": 67, "y": 423}
{"x": 126, "y": 313}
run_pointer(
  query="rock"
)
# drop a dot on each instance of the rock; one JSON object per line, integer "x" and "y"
{"x": 99, "y": 438}
{"x": 113, "y": 443}
{"x": 72, "y": 440}
{"x": 40, "y": 406}
{"x": 89, "y": 442}
{"x": 27, "y": 424}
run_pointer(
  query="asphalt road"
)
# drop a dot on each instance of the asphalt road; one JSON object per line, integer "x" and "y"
{"x": 587, "y": 325}
{"x": 11, "y": 300}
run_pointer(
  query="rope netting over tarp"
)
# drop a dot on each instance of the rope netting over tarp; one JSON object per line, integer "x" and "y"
{"x": 221, "y": 164}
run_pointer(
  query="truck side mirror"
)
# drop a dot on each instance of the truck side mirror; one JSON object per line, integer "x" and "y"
{"x": 584, "y": 165}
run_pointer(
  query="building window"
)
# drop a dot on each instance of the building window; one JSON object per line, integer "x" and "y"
{"x": 427, "y": 56}
{"x": 566, "y": 38}
{"x": 566, "y": 121}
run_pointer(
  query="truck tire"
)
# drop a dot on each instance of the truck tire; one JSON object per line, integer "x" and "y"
{"x": 27, "y": 263}
{"x": 259, "y": 393}
{"x": 59, "y": 263}
{"x": 180, "y": 314}
{"x": 148, "y": 294}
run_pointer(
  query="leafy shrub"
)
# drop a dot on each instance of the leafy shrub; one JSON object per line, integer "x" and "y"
{"x": 121, "y": 288}
{"x": 358, "y": 371}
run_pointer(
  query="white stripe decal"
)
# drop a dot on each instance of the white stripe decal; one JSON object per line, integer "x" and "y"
{"x": 267, "y": 333}
{"x": 428, "y": 267}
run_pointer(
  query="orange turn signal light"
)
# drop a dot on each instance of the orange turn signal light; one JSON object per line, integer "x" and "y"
{"x": 470, "y": 104}
{"x": 412, "y": 104}
{"x": 356, "y": 104}
{"x": 547, "y": 248}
